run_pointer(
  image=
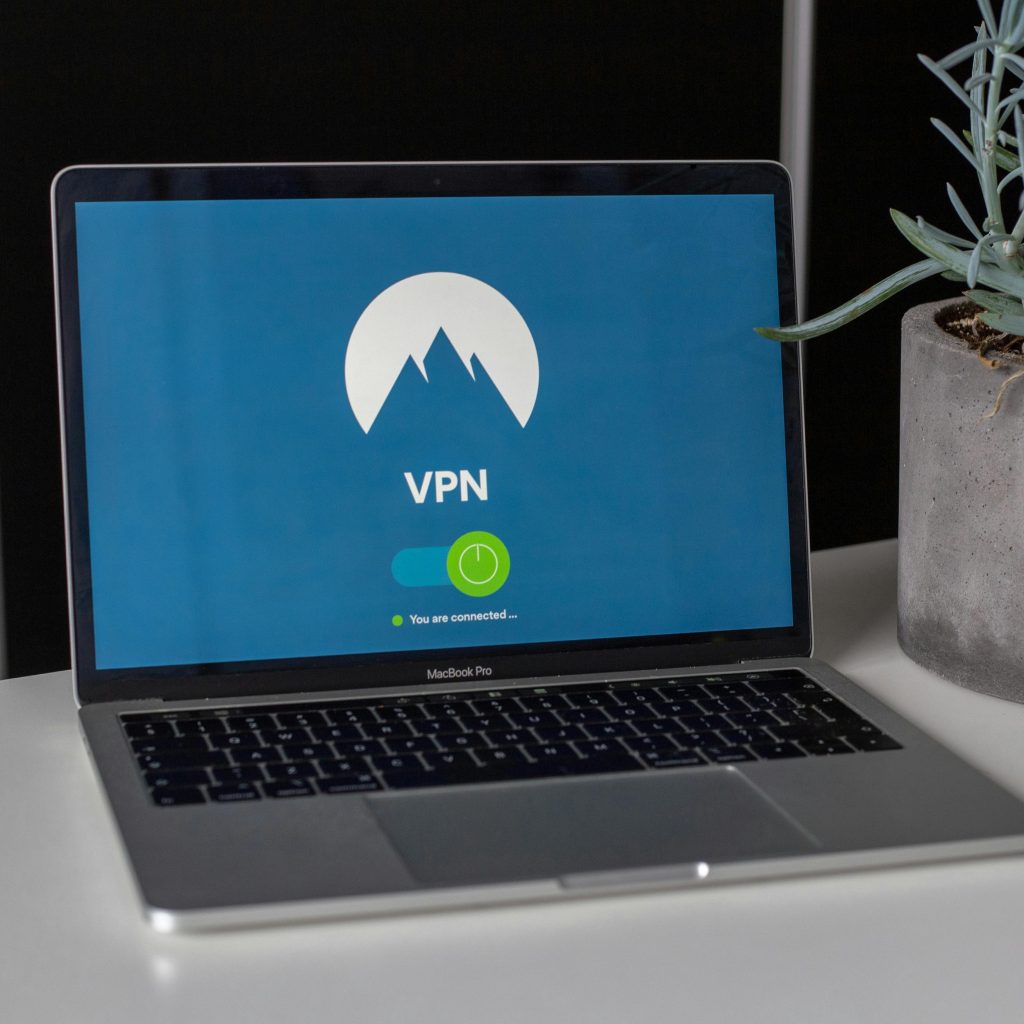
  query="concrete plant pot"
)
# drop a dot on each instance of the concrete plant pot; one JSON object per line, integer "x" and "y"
{"x": 961, "y": 517}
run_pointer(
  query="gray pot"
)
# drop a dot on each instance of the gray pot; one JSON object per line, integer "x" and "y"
{"x": 961, "y": 542}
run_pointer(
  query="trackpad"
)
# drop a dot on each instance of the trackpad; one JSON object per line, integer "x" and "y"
{"x": 494, "y": 833}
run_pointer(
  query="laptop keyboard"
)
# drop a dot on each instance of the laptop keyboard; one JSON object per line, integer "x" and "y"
{"x": 229, "y": 755}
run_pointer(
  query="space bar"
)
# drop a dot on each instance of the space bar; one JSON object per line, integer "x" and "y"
{"x": 508, "y": 772}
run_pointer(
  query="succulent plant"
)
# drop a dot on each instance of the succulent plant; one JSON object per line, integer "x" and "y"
{"x": 990, "y": 253}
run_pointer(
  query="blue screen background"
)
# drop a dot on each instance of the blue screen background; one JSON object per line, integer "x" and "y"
{"x": 238, "y": 511}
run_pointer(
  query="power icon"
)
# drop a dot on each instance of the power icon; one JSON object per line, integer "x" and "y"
{"x": 478, "y": 564}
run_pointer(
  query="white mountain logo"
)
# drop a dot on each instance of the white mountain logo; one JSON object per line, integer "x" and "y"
{"x": 402, "y": 322}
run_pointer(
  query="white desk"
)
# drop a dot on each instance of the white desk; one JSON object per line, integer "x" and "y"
{"x": 932, "y": 944}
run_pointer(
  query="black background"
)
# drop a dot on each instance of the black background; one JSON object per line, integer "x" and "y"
{"x": 226, "y": 82}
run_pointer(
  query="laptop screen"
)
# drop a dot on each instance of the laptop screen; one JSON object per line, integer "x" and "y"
{"x": 335, "y": 427}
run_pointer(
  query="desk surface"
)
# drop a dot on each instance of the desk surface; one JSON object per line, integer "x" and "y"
{"x": 936, "y": 944}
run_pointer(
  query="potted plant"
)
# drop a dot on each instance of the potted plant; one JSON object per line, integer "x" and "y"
{"x": 960, "y": 602}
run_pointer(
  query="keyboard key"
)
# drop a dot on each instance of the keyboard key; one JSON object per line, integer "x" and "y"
{"x": 177, "y": 797}
{"x": 272, "y": 737}
{"x": 385, "y": 730}
{"x": 801, "y": 716}
{"x": 876, "y": 741}
{"x": 769, "y": 702}
{"x": 233, "y": 793}
{"x": 306, "y": 751}
{"x": 449, "y": 759}
{"x": 326, "y": 733}
{"x": 288, "y": 788}
{"x": 637, "y": 713}
{"x": 675, "y": 708}
{"x": 546, "y": 752}
{"x": 656, "y": 726}
{"x": 699, "y": 723}
{"x": 510, "y": 737}
{"x": 640, "y": 695}
{"x": 349, "y": 715}
{"x": 292, "y": 770}
{"x": 600, "y": 763}
{"x": 727, "y": 755}
{"x": 559, "y": 733}
{"x": 448, "y": 707}
{"x": 584, "y": 716}
{"x": 461, "y": 741}
{"x": 249, "y": 723}
{"x": 591, "y": 699}
{"x": 752, "y": 719}
{"x": 507, "y": 772}
{"x": 410, "y": 744}
{"x": 728, "y": 688}
{"x": 599, "y": 748}
{"x": 646, "y": 743}
{"x": 360, "y": 782}
{"x": 255, "y": 755}
{"x": 802, "y": 731}
{"x": 199, "y": 726}
{"x": 500, "y": 755}
{"x": 776, "y": 751}
{"x": 671, "y": 759}
{"x": 720, "y": 705}
{"x": 232, "y": 740}
{"x": 861, "y": 728}
{"x": 175, "y": 759}
{"x": 744, "y": 737}
{"x": 170, "y": 780}
{"x": 145, "y": 730}
{"x": 397, "y": 763}
{"x": 825, "y": 745}
{"x": 399, "y": 712}
{"x": 168, "y": 744}
{"x": 240, "y": 773}
{"x": 484, "y": 723}
{"x": 832, "y": 707}
{"x": 499, "y": 706}
{"x": 439, "y": 726}
{"x": 344, "y": 766}
{"x": 544, "y": 702}
{"x": 604, "y": 730}
{"x": 359, "y": 748}
{"x": 536, "y": 719}
{"x": 704, "y": 738}
{"x": 300, "y": 719}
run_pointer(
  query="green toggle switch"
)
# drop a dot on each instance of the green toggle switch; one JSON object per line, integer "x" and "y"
{"x": 477, "y": 564}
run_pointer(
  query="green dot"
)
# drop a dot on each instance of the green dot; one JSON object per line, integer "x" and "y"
{"x": 396, "y": 620}
{"x": 478, "y": 564}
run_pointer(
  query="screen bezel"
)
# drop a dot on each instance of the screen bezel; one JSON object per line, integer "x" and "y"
{"x": 359, "y": 671}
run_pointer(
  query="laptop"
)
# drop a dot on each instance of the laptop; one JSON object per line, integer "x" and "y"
{"x": 437, "y": 536}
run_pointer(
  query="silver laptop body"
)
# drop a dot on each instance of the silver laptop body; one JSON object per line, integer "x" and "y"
{"x": 437, "y": 537}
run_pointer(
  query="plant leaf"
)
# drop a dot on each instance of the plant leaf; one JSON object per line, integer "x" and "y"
{"x": 990, "y": 19}
{"x": 972, "y": 266}
{"x": 950, "y": 83}
{"x": 995, "y": 302}
{"x": 943, "y": 236}
{"x": 961, "y": 210}
{"x": 1010, "y": 323}
{"x": 952, "y": 59}
{"x": 952, "y": 275}
{"x": 950, "y": 136}
{"x": 955, "y": 259}
{"x": 1008, "y": 178}
{"x": 860, "y": 304}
